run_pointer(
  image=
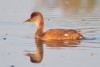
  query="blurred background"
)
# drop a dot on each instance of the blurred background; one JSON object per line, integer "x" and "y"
{"x": 19, "y": 10}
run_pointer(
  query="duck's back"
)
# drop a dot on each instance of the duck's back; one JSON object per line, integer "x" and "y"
{"x": 61, "y": 34}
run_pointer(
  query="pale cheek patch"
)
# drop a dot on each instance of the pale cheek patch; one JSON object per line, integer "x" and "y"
{"x": 66, "y": 35}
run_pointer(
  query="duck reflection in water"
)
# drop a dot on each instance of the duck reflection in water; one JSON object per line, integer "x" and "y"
{"x": 37, "y": 57}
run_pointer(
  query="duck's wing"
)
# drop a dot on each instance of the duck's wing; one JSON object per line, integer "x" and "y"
{"x": 60, "y": 34}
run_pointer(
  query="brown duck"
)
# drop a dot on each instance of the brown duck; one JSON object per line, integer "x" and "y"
{"x": 52, "y": 34}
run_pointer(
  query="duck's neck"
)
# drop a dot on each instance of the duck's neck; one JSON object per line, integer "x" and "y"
{"x": 39, "y": 29}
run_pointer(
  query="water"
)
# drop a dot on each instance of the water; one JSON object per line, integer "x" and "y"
{"x": 17, "y": 38}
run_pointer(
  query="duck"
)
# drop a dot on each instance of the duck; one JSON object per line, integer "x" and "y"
{"x": 52, "y": 34}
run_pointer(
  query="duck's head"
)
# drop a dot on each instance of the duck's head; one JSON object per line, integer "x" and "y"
{"x": 35, "y": 17}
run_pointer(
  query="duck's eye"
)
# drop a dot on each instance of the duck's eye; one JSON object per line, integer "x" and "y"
{"x": 34, "y": 17}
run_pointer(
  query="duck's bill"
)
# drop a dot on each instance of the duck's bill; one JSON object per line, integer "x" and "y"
{"x": 28, "y": 20}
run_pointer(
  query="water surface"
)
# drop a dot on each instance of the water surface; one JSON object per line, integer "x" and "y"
{"x": 17, "y": 38}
